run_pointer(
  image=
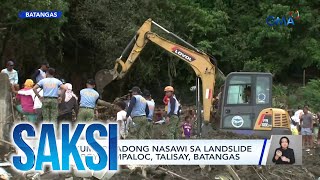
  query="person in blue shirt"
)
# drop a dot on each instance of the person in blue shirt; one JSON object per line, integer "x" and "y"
{"x": 88, "y": 100}
{"x": 138, "y": 110}
{"x": 50, "y": 86}
{"x": 13, "y": 74}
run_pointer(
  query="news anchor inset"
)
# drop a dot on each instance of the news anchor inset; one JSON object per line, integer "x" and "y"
{"x": 284, "y": 154}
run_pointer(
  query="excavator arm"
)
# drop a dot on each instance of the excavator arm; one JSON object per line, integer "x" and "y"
{"x": 199, "y": 61}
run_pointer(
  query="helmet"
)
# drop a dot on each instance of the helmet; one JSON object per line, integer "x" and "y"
{"x": 168, "y": 88}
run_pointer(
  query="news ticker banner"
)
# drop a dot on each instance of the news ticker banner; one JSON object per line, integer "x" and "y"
{"x": 97, "y": 147}
{"x": 168, "y": 152}
{"x": 193, "y": 152}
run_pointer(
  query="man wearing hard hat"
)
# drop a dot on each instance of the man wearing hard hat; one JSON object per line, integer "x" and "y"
{"x": 172, "y": 118}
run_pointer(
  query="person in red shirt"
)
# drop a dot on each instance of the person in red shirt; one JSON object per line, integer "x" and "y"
{"x": 166, "y": 100}
{"x": 26, "y": 97}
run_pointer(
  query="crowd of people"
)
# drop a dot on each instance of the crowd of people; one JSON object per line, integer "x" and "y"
{"x": 46, "y": 98}
{"x": 136, "y": 116}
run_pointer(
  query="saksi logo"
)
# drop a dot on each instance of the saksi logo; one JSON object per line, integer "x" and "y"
{"x": 182, "y": 54}
{"x": 276, "y": 21}
{"x": 87, "y": 146}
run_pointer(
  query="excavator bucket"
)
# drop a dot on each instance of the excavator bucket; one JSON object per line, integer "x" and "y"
{"x": 105, "y": 77}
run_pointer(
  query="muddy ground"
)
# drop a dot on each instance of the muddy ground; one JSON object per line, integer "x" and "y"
{"x": 309, "y": 170}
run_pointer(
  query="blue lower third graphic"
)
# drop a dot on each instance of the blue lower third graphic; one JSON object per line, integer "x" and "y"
{"x": 60, "y": 154}
{"x": 40, "y": 14}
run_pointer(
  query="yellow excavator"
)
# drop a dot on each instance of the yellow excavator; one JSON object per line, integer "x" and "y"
{"x": 245, "y": 102}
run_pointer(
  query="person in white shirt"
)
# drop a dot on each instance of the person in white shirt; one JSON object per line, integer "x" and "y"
{"x": 121, "y": 119}
{"x": 40, "y": 73}
{"x": 13, "y": 74}
{"x": 151, "y": 104}
{"x": 297, "y": 115}
{"x": 38, "y": 105}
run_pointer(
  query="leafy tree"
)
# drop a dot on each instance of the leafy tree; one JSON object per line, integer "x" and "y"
{"x": 31, "y": 41}
{"x": 93, "y": 33}
{"x": 310, "y": 95}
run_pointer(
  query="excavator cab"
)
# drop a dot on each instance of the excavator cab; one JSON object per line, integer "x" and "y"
{"x": 246, "y": 106}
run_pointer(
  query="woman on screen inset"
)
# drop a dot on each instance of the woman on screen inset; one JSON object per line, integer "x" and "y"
{"x": 284, "y": 154}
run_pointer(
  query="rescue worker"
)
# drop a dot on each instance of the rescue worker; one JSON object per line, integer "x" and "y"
{"x": 13, "y": 74}
{"x": 165, "y": 101}
{"x": 172, "y": 118}
{"x": 40, "y": 73}
{"x": 88, "y": 100}
{"x": 138, "y": 110}
{"x": 50, "y": 86}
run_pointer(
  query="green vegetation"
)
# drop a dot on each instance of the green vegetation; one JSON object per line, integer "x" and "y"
{"x": 93, "y": 33}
